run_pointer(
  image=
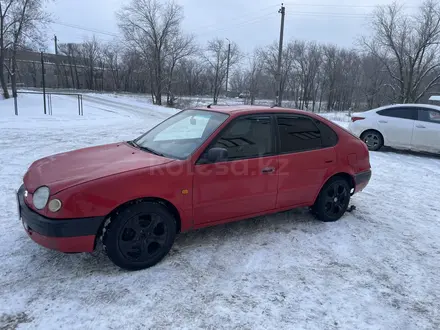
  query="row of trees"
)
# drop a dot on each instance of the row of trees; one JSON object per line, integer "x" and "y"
{"x": 399, "y": 62}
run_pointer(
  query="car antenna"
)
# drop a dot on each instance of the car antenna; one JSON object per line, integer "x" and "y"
{"x": 209, "y": 106}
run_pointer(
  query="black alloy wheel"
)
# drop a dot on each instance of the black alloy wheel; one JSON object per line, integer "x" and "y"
{"x": 140, "y": 235}
{"x": 333, "y": 200}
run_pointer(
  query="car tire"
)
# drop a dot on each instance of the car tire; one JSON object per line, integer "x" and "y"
{"x": 333, "y": 200}
{"x": 139, "y": 236}
{"x": 373, "y": 140}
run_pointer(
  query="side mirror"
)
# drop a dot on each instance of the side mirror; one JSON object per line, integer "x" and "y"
{"x": 217, "y": 155}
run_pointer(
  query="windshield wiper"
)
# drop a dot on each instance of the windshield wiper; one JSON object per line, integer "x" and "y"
{"x": 133, "y": 144}
{"x": 151, "y": 151}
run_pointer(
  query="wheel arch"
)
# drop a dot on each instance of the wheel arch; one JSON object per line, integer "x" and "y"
{"x": 170, "y": 206}
{"x": 373, "y": 130}
{"x": 348, "y": 177}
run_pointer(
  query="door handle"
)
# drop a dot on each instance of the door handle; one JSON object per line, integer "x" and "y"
{"x": 268, "y": 170}
{"x": 383, "y": 121}
{"x": 420, "y": 126}
{"x": 328, "y": 161}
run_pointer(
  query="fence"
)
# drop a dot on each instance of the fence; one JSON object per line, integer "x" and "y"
{"x": 47, "y": 99}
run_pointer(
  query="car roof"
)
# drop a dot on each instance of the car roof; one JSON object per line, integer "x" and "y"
{"x": 408, "y": 105}
{"x": 235, "y": 110}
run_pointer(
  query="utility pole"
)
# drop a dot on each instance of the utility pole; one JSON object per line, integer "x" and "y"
{"x": 227, "y": 66}
{"x": 56, "y": 44}
{"x": 43, "y": 72}
{"x": 278, "y": 99}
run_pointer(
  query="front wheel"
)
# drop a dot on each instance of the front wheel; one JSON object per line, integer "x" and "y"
{"x": 140, "y": 235}
{"x": 333, "y": 200}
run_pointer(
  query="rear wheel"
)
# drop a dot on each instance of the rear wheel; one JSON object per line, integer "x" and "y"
{"x": 373, "y": 140}
{"x": 140, "y": 235}
{"x": 333, "y": 200}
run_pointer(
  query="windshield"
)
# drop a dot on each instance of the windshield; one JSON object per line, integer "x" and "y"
{"x": 179, "y": 136}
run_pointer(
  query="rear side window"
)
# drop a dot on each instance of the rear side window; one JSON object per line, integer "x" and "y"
{"x": 403, "y": 113}
{"x": 428, "y": 115}
{"x": 298, "y": 133}
{"x": 328, "y": 136}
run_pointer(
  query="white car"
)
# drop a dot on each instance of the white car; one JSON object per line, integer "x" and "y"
{"x": 402, "y": 126}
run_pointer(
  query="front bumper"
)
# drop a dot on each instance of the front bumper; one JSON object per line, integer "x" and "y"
{"x": 361, "y": 180}
{"x": 65, "y": 235}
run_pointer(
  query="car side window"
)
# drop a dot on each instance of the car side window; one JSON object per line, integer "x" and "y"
{"x": 298, "y": 133}
{"x": 428, "y": 115}
{"x": 247, "y": 137}
{"x": 402, "y": 113}
{"x": 329, "y": 137}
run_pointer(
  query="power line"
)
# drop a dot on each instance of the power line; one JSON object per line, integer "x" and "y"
{"x": 325, "y": 14}
{"x": 74, "y": 26}
{"x": 339, "y": 5}
{"x": 255, "y": 20}
{"x": 242, "y": 23}
{"x": 233, "y": 19}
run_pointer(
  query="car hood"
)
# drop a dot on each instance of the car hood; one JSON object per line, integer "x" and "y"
{"x": 68, "y": 169}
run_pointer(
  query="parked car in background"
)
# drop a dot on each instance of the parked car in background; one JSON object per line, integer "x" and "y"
{"x": 403, "y": 126}
{"x": 196, "y": 169}
{"x": 244, "y": 95}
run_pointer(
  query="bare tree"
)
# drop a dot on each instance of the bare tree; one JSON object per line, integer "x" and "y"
{"x": 72, "y": 51}
{"x": 90, "y": 51}
{"x": 180, "y": 47}
{"x": 21, "y": 23}
{"x": 254, "y": 76}
{"x": 149, "y": 27}
{"x": 191, "y": 73}
{"x": 237, "y": 81}
{"x": 216, "y": 56}
{"x": 112, "y": 57}
{"x": 408, "y": 46}
{"x": 307, "y": 64}
{"x": 269, "y": 57}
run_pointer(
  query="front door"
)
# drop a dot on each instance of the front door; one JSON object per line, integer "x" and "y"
{"x": 426, "y": 136}
{"x": 244, "y": 184}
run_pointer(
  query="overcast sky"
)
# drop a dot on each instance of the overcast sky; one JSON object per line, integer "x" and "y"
{"x": 242, "y": 21}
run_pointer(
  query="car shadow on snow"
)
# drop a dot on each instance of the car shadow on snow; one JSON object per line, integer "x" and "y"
{"x": 248, "y": 232}
{"x": 408, "y": 152}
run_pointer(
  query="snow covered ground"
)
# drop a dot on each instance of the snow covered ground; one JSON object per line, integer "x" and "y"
{"x": 376, "y": 268}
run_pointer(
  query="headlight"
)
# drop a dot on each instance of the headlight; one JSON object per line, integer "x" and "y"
{"x": 40, "y": 197}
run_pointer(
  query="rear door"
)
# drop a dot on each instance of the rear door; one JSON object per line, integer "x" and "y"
{"x": 396, "y": 125}
{"x": 426, "y": 135}
{"x": 306, "y": 156}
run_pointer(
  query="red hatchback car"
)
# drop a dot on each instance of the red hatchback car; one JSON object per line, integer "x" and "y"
{"x": 198, "y": 168}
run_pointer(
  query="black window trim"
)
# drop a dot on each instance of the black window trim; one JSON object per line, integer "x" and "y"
{"x": 286, "y": 114}
{"x": 275, "y": 141}
{"x": 397, "y": 108}
{"x": 426, "y": 109}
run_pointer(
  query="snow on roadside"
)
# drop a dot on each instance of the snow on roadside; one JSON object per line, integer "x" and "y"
{"x": 377, "y": 268}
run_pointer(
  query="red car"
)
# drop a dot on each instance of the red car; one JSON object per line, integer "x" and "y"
{"x": 198, "y": 168}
